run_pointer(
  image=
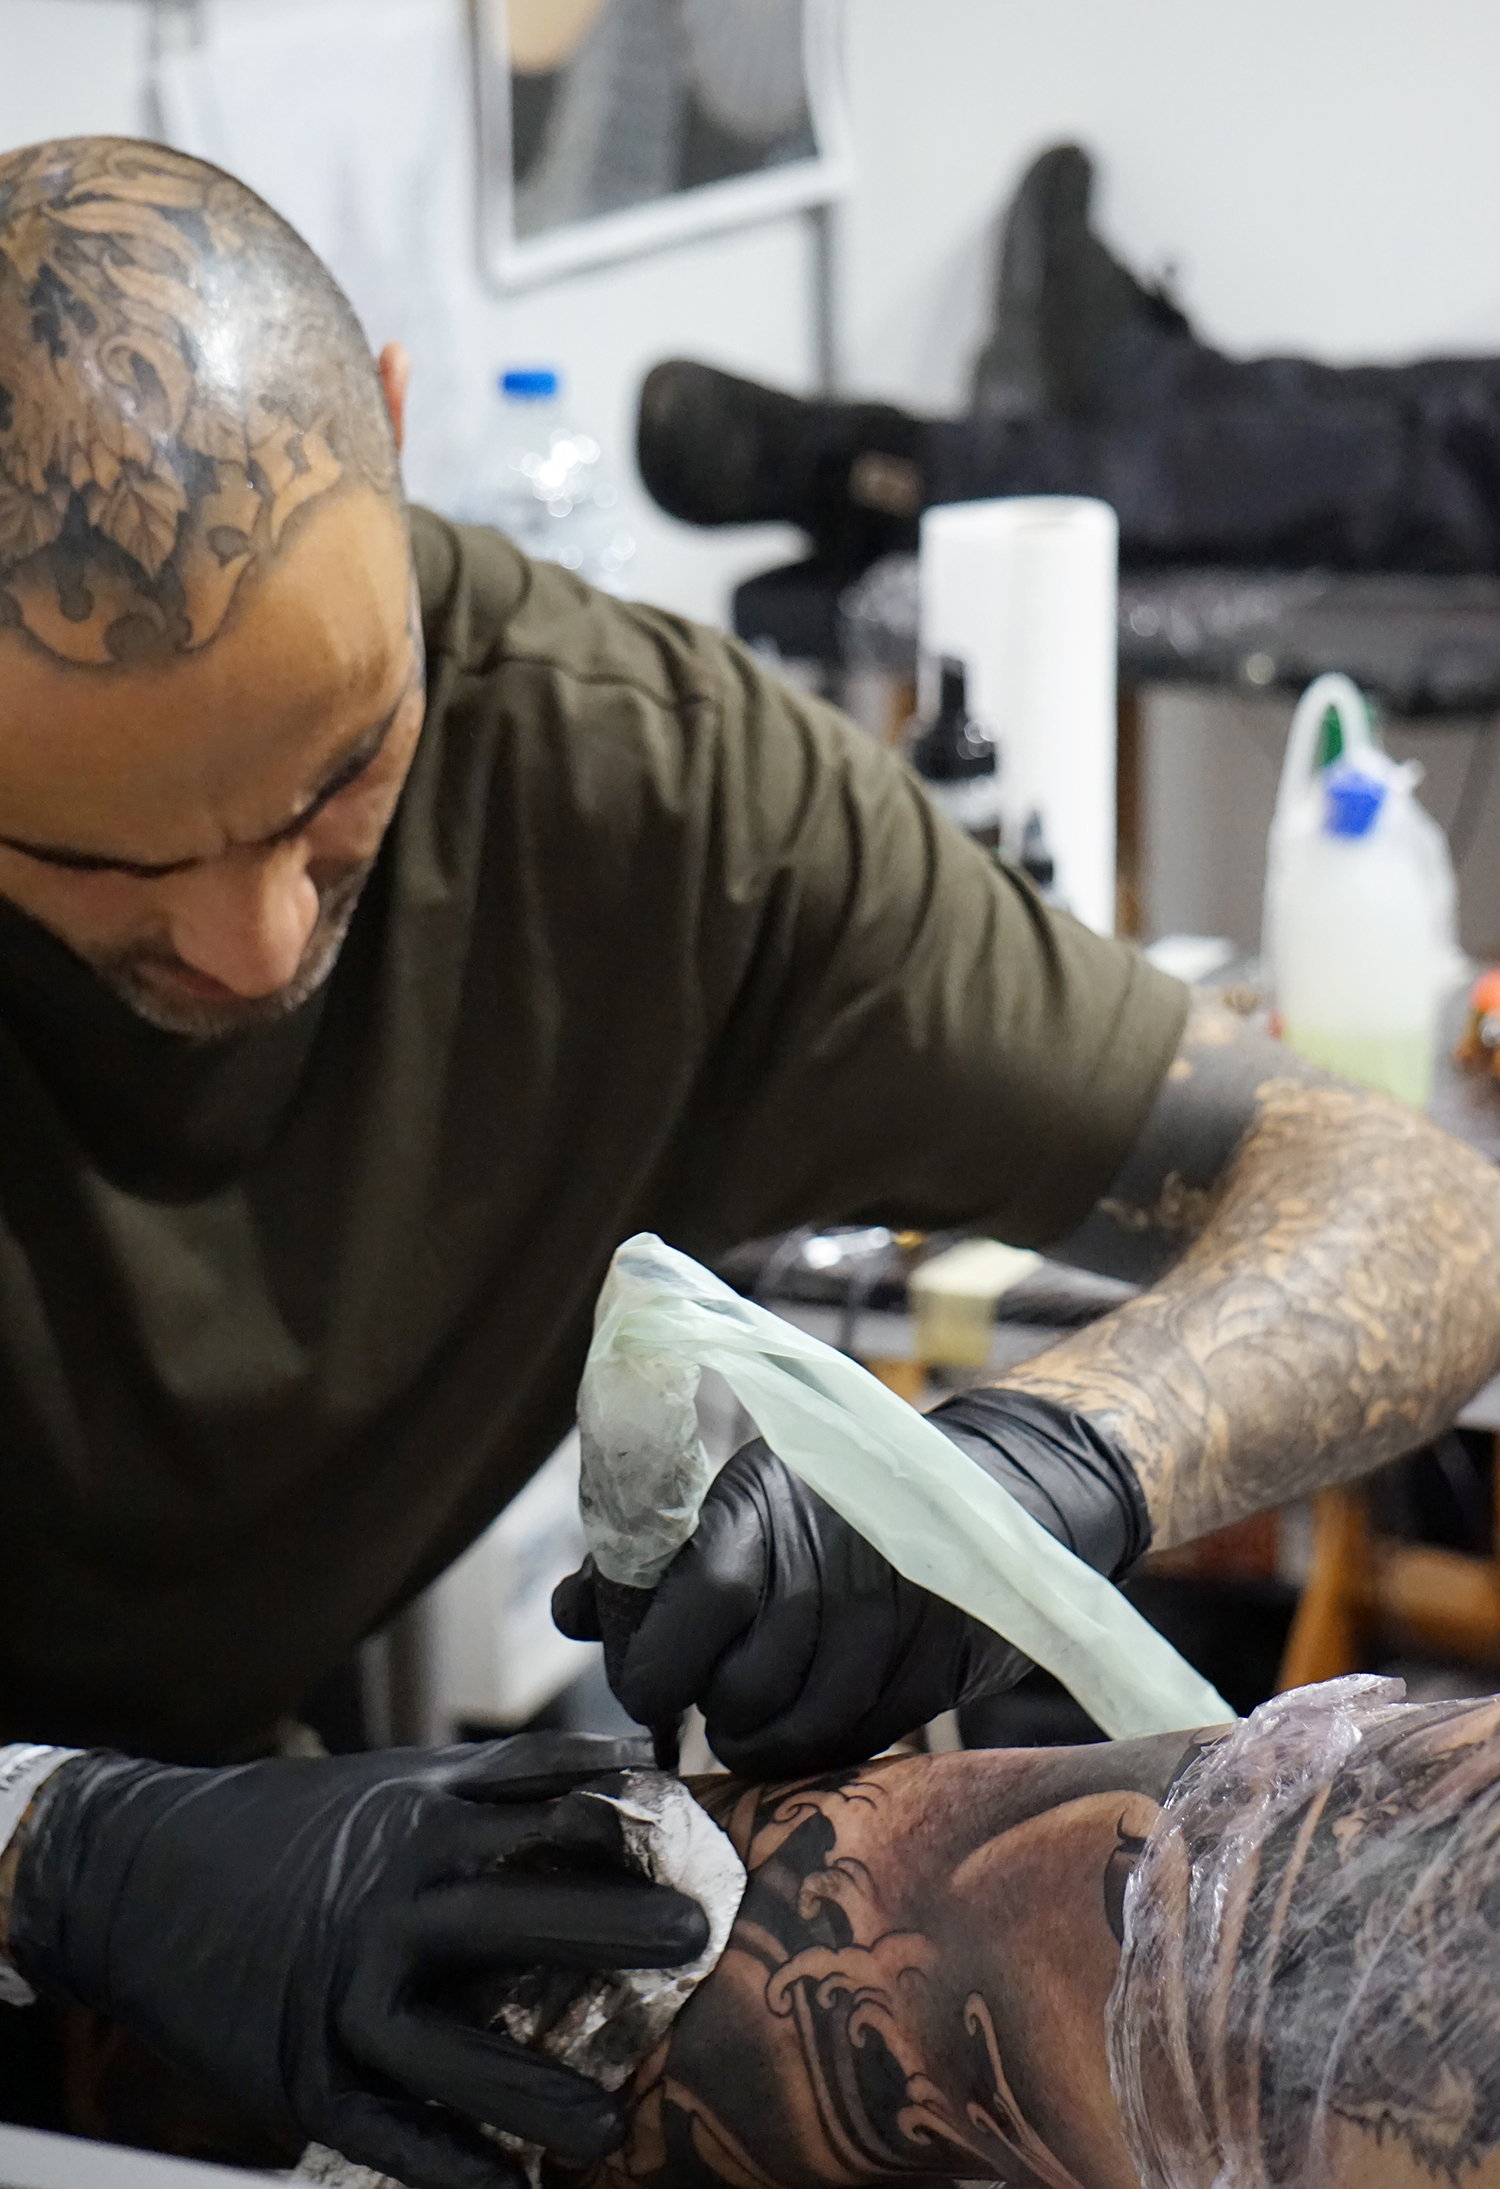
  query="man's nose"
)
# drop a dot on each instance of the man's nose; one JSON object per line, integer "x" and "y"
{"x": 245, "y": 919}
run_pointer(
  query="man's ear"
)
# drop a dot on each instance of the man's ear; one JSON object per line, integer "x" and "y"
{"x": 395, "y": 378}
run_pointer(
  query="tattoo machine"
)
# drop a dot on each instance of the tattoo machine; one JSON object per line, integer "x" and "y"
{"x": 939, "y": 1520}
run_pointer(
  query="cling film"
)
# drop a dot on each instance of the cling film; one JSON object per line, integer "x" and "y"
{"x": 1304, "y": 1993}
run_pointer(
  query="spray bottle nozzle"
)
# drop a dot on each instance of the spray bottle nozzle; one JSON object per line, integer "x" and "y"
{"x": 1351, "y": 801}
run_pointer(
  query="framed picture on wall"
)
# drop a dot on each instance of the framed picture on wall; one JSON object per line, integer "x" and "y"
{"x": 612, "y": 127}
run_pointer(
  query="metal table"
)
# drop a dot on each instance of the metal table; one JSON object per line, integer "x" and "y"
{"x": 1426, "y": 645}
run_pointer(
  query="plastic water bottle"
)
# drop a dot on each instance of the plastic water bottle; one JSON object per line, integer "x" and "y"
{"x": 1359, "y": 903}
{"x": 544, "y": 483}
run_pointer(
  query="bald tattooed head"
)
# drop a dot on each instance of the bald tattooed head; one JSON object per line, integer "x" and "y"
{"x": 180, "y": 378}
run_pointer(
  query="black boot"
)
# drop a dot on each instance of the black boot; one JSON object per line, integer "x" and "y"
{"x": 717, "y": 450}
{"x": 1069, "y": 321}
{"x": 1094, "y": 384}
{"x": 1205, "y": 458}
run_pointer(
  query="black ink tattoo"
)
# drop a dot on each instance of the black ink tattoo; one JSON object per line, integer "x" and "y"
{"x": 1412, "y": 1935}
{"x": 179, "y": 379}
{"x": 1168, "y": 1186}
{"x": 871, "y": 2020}
{"x": 921, "y": 1975}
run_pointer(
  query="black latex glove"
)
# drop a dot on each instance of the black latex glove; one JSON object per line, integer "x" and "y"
{"x": 801, "y": 1645}
{"x": 293, "y": 1932}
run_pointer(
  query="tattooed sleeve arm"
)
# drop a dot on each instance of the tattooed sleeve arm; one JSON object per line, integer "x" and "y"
{"x": 1332, "y": 1285}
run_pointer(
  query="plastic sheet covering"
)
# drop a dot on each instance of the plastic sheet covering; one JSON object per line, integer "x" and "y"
{"x": 923, "y": 1503}
{"x": 1312, "y": 1949}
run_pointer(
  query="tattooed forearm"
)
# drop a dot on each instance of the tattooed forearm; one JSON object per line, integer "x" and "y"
{"x": 1336, "y": 1299}
{"x": 1169, "y": 1184}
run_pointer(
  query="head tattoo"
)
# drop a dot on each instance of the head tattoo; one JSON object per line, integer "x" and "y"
{"x": 180, "y": 376}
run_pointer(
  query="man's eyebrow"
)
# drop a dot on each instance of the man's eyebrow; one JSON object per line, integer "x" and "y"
{"x": 346, "y": 770}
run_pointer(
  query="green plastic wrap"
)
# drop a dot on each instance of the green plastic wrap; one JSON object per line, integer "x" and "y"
{"x": 939, "y": 1519}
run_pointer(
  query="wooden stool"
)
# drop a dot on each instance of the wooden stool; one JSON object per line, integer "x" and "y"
{"x": 1363, "y": 1586}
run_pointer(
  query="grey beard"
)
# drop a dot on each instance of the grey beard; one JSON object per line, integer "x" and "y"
{"x": 202, "y": 1021}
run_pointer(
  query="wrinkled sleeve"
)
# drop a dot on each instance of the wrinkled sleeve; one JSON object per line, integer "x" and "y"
{"x": 898, "y": 1029}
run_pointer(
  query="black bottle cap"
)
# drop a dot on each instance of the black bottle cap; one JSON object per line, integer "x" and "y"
{"x": 1037, "y": 861}
{"x": 952, "y": 749}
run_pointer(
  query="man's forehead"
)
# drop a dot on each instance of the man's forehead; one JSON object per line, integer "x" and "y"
{"x": 122, "y": 757}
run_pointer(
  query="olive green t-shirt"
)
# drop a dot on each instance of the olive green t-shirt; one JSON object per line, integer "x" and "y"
{"x": 652, "y": 944}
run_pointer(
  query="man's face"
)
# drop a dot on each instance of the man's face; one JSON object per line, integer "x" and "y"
{"x": 199, "y": 832}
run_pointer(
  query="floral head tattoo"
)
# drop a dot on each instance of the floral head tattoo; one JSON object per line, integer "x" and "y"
{"x": 180, "y": 377}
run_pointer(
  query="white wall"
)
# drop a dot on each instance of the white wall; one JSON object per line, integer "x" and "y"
{"x": 743, "y": 299}
{"x": 1325, "y": 173}
{"x": 70, "y": 67}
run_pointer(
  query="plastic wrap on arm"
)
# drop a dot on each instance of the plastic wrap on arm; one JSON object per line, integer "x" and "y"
{"x": 1311, "y": 1949}
{"x": 938, "y": 1518}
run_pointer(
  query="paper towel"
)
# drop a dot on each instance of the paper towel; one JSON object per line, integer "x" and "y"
{"x": 617, "y": 2017}
{"x": 1023, "y": 592}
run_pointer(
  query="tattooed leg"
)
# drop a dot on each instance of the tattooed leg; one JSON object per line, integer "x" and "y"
{"x": 1332, "y": 1293}
{"x": 920, "y": 1978}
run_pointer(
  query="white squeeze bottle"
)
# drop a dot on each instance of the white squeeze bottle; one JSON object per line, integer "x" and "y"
{"x": 1359, "y": 903}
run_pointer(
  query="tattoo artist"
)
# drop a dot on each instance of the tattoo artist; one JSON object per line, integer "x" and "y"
{"x": 388, "y": 927}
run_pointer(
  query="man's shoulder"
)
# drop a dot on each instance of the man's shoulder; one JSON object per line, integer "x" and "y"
{"x": 493, "y": 616}
{"x": 612, "y": 710}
